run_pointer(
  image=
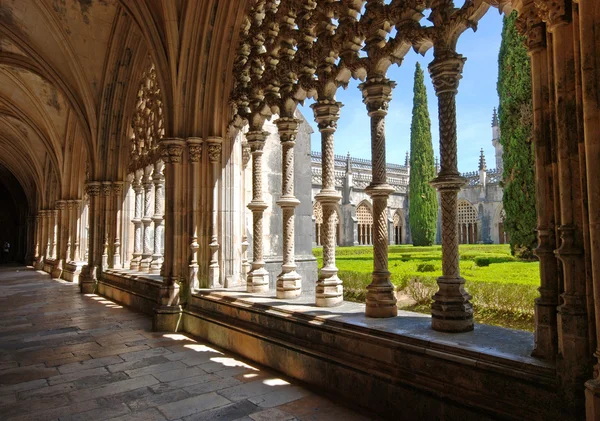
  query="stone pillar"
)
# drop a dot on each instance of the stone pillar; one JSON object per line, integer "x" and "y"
{"x": 258, "y": 278}
{"x": 53, "y": 233}
{"x": 38, "y": 252}
{"x": 545, "y": 306}
{"x": 107, "y": 196}
{"x": 45, "y": 236}
{"x": 76, "y": 229}
{"x": 214, "y": 158}
{"x": 158, "y": 218}
{"x": 329, "y": 290}
{"x": 381, "y": 297}
{"x": 147, "y": 220}
{"x": 246, "y": 155}
{"x": 31, "y": 242}
{"x": 195, "y": 156}
{"x": 138, "y": 189}
{"x": 589, "y": 14}
{"x": 117, "y": 221}
{"x": 451, "y": 310}
{"x": 168, "y": 313}
{"x": 288, "y": 281}
{"x": 574, "y": 368}
{"x": 61, "y": 225}
{"x": 88, "y": 276}
{"x": 69, "y": 230}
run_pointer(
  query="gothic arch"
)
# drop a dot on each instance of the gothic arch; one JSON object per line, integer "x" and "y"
{"x": 364, "y": 219}
{"x": 468, "y": 221}
{"x": 398, "y": 227}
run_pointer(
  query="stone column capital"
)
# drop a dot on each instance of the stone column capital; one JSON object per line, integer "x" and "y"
{"x": 171, "y": 150}
{"x": 106, "y": 188}
{"x": 377, "y": 94}
{"x": 529, "y": 23}
{"x": 446, "y": 71}
{"x": 92, "y": 188}
{"x": 288, "y": 128}
{"x": 327, "y": 113}
{"x": 60, "y": 204}
{"x": 214, "y": 149}
{"x": 553, "y": 12}
{"x": 194, "y": 148}
{"x": 118, "y": 188}
{"x": 256, "y": 140}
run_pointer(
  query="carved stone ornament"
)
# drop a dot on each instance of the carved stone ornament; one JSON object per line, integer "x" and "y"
{"x": 60, "y": 204}
{"x": 245, "y": 154}
{"x": 446, "y": 72}
{"x": 195, "y": 153}
{"x": 92, "y": 188}
{"x": 174, "y": 153}
{"x": 106, "y": 188}
{"x": 214, "y": 152}
{"x": 118, "y": 188}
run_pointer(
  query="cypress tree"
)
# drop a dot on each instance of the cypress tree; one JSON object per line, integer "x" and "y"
{"x": 423, "y": 205}
{"x": 516, "y": 124}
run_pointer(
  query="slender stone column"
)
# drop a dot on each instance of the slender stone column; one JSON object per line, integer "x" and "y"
{"x": 329, "y": 290}
{"x": 61, "y": 224}
{"x": 288, "y": 281}
{"x": 574, "y": 367}
{"x": 76, "y": 228}
{"x": 69, "y": 230}
{"x": 214, "y": 157}
{"x": 158, "y": 218}
{"x": 116, "y": 221}
{"x": 381, "y": 299}
{"x": 451, "y": 310}
{"x": 137, "y": 221}
{"x": 545, "y": 305}
{"x": 194, "y": 156}
{"x": 39, "y": 254}
{"x": 589, "y": 14}
{"x": 53, "y": 233}
{"x": 258, "y": 278}
{"x": 246, "y": 155}
{"x": 45, "y": 235}
{"x": 167, "y": 315}
{"x": 88, "y": 274}
{"x": 106, "y": 194}
{"x": 147, "y": 220}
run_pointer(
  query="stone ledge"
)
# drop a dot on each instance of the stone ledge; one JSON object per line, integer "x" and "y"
{"x": 410, "y": 368}
{"x": 138, "y": 290}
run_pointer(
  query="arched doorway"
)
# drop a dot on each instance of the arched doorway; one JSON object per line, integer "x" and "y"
{"x": 397, "y": 220}
{"x": 364, "y": 218}
{"x": 467, "y": 223}
{"x": 14, "y": 210}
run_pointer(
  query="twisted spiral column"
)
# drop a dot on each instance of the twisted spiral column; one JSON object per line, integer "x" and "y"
{"x": 288, "y": 281}
{"x": 258, "y": 277}
{"x": 158, "y": 217}
{"x": 246, "y": 155}
{"x": 194, "y": 156}
{"x": 329, "y": 291}
{"x": 451, "y": 310}
{"x": 381, "y": 298}
{"x": 138, "y": 189}
{"x": 147, "y": 220}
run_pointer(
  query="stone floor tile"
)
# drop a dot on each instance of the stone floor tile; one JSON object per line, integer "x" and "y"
{"x": 24, "y": 374}
{"x": 102, "y": 413}
{"x": 248, "y": 390}
{"x": 47, "y": 391}
{"x": 147, "y": 415}
{"x": 193, "y": 405}
{"x": 133, "y": 365}
{"x": 272, "y": 414}
{"x": 56, "y": 413}
{"x": 151, "y": 400}
{"x": 279, "y": 397}
{"x": 156, "y": 369}
{"x": 65, "y": 361}
{"x": 145, "y": 353}
{"x": 19, "y": 387}
{"x": 225, "y": 413}
{"x": 186, "y": 383}
{"x": 69, "y": 377}
{"x": 180, "y": 373}
{"x": 119, "y": 350}
{"x": 41, "y": 403}
{"x": 93, "y": 363}
{"x": 112, "y": 388}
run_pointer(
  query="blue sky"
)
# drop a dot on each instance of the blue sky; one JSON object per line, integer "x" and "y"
{"x": 476, "y": 99}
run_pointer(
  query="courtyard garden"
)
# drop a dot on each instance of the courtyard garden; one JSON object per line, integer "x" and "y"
{"x": 503, "y": 287}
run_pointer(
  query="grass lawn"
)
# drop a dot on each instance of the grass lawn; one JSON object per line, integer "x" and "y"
{"x": 503, "y": 288}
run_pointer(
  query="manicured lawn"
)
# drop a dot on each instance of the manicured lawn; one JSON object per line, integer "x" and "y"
{"x": 503, "y": 288}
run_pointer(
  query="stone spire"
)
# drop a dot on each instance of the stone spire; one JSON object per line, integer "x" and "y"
{"x": 407, "y": 160}
{"x": 482, "y": 166}
{"x": 495, "y": 122}
{"x": 437, "y": 165}
{"x": 496, "y": 140}
{"x": 348, "y": 163}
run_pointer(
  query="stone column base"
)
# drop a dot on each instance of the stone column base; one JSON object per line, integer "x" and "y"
{"x": 258, "y": 281}
{"x": 87, "y": 286}
{"x": 57, "y": 271}
{"x": 167, "y": 319}
{"x": 38, "y": 265}
{"x": 592, "y": 400}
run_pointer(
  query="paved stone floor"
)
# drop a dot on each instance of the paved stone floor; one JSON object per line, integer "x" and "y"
{"x": 69, "y": 356}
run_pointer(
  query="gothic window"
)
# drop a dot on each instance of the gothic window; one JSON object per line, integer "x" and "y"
{"x": 503, "y": 237}
{"x": 365, "y": 224}
{"x": 318, "y": 216}
{"x": 467, "y": 223}
{"x": 397, "y": 227}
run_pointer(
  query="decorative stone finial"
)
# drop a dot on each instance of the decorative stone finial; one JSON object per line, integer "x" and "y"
{"x": 495, "y": 122}
{"x": 407, "y": 160}
{"x": 482, "y": 166}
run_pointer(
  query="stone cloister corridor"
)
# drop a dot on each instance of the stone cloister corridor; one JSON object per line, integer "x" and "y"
{"x": 151, "y": 155}
{"x": 67, "y": 356}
